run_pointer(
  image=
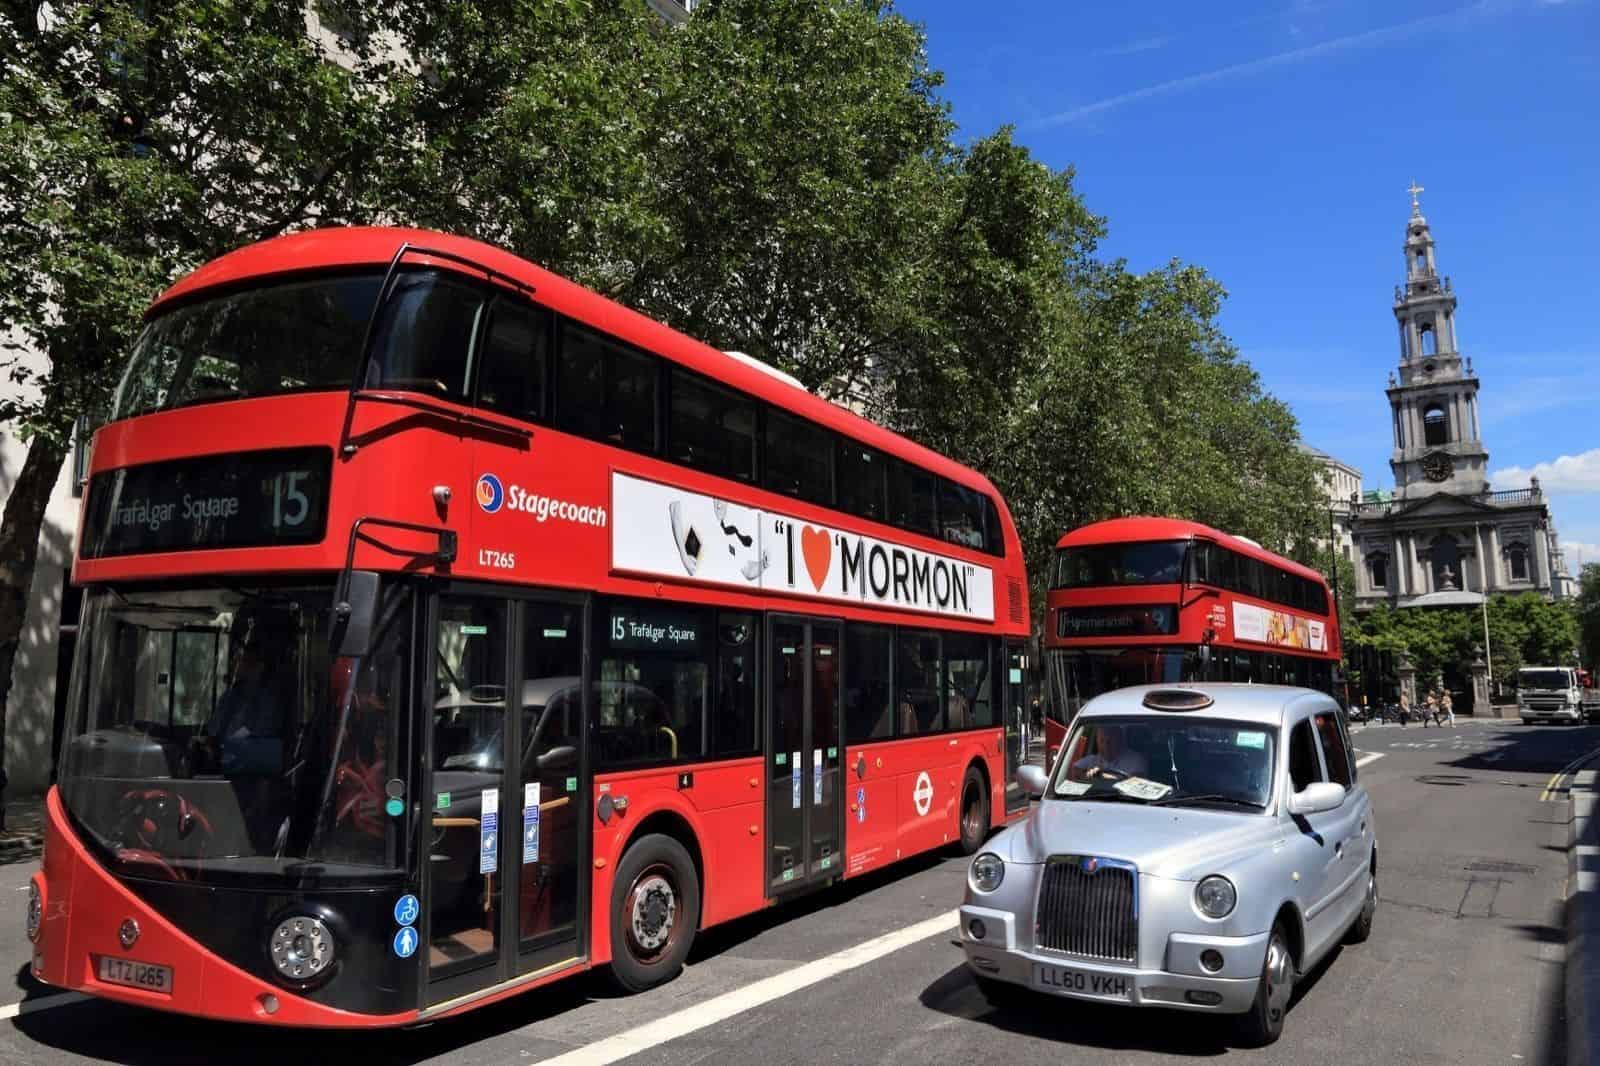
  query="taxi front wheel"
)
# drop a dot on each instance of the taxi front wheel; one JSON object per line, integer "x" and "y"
{"x": 1262, "y": 1024}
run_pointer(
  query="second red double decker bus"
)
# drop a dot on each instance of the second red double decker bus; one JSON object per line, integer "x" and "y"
{"x": 1137, "y": 601}
{"x": 449, "y": 628}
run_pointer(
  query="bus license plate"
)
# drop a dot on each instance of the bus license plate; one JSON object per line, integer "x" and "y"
{"x": 145, "y": 975}
{"x": 1063, "y": 979}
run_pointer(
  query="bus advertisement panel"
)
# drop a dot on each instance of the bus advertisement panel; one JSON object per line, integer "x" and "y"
{"x": 449, "y": 629}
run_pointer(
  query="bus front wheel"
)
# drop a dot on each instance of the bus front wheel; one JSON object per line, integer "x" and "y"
{"x": 655, "y": 909}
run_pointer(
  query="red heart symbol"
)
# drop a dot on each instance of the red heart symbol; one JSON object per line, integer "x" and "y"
{"x": 817, "y": 547}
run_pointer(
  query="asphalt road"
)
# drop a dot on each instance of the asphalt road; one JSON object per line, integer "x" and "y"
{"x": 1465, "y": 964}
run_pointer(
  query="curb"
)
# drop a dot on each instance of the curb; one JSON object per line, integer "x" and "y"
{"x": 1583, "y": 920}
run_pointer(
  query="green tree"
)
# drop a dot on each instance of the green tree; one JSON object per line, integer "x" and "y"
{"x": 136, "y": 140}
{"x": 1587, "y": 608}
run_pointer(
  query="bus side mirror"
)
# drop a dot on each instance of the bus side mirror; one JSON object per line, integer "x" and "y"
{"x": 353, "y": 615}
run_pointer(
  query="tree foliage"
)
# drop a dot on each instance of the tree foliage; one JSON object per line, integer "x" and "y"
{"x": 1587, "y": 608}
{"x": 779, "y": 177}
{"x": 1524, "y": 630}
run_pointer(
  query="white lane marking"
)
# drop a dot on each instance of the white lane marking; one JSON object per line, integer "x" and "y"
{"x": 31, "y": 1006}
{"x": 698, "y": 1016}
{"x": 1373, "y": 757}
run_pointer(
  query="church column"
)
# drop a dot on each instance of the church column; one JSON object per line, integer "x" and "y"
{"x": 1481, "y": 546}
{"x": 1542, "y": 555}
{"x": 1397, "y": 573}
{"x": 1494, "y": 557}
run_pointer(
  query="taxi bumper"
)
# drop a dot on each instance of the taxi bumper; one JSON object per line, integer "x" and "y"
{"x": 1182, "y": 982}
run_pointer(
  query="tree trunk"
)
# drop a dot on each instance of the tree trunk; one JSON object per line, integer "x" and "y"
{"x": 19, "y": 550}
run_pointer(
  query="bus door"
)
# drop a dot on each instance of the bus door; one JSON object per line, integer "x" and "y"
{"x": 503, "y": 836}
{"x": 803, "y": 754}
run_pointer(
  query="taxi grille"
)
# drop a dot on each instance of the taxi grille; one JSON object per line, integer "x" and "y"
{"x": 1087, "y": 908}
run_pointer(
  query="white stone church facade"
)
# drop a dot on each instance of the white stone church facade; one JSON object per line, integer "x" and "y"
{"x": 1444, "y": 537}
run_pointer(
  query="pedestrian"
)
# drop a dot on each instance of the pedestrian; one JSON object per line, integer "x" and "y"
{"x": 1449, "y": 708}
{"x": 1405, "y": 708}
{"x": 1430, "y": 708}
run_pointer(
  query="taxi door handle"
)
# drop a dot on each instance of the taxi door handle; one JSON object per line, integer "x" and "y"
{"x": 953, "y": 743}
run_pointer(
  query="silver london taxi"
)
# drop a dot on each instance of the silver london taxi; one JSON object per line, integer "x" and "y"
{"x": 1194, "y": 847}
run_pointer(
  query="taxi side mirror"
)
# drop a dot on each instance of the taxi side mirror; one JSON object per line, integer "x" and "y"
{"x": 1032, "y": 780}
{"x": 1314, "y": 799}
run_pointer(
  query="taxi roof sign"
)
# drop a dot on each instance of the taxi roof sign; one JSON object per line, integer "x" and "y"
{"x": 1176, "y": 699}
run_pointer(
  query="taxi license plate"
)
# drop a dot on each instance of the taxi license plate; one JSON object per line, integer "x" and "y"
{"x": 1064, "y": 979}
{"x": 145, "y": 975}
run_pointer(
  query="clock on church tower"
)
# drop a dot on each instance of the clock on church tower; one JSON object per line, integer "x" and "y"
{"x": 1436, "y": 466}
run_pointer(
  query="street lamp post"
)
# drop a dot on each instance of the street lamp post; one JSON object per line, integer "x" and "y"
{"x": 1483, "y": 589}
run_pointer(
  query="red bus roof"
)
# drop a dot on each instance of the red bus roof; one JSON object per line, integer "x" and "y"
{"x": 336, "y": 247}
{"x": 1145, "y": 528}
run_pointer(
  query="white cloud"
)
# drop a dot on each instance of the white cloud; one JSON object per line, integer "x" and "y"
{"x": 1567, "y": 473}
{"x": 1366, "y": 39}
{"x": 1580, "y": 554}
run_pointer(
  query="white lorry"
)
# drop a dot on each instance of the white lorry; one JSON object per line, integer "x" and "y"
{"x": 1549, "y": 694}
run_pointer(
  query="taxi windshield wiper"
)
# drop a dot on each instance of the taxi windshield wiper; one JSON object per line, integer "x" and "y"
{"x": 1207, "y": 797}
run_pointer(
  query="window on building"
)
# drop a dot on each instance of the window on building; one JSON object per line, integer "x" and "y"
{"x": 1517, "y": 559}
{"x": 1378, "y": 569}
{"x": 1435, "y": 427}
{"x": 1429, "y": 344}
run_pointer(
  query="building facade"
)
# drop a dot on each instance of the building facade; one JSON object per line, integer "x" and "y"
{"x": 1444, "y": 536}
{"x": 1341, "y": 484}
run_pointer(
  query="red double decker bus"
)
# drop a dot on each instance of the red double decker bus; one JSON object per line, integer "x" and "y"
{"x": 1138, "y": 601}
{"x": 449, "y": 629}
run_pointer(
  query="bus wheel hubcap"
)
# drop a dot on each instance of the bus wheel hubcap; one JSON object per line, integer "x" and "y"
{"x": 653, "y": 909}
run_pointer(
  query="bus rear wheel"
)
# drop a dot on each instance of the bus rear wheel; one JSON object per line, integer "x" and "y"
{"x": 655, "y": 910}
{"x": 974, "y": 812}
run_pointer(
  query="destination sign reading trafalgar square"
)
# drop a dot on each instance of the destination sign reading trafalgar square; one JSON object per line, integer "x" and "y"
{"x": 672, "y": 532}
{"x": 243, "y": 500}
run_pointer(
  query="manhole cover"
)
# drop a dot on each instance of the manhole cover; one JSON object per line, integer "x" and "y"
{"x": 1453, "y": 780}
{"x": 1494, "y": 866}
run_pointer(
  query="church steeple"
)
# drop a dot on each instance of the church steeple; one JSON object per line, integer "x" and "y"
{"x": 1437, "y": 442}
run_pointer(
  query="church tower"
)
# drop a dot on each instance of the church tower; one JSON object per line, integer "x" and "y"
{"x": 1438, "y": 446}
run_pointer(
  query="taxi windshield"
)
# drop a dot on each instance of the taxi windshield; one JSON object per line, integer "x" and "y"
{"x": 212, "y": 733}
{"x": 1174, "y": 761}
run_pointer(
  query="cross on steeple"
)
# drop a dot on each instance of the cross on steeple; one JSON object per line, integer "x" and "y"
{"x": 1414, "y": 189}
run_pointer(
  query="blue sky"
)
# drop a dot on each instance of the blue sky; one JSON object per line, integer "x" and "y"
{"x": 1272, "y": 144}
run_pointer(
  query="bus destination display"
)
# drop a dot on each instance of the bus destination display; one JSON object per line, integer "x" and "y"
{"x": 1142, "y": 619}
{"x": 245, "y": 500}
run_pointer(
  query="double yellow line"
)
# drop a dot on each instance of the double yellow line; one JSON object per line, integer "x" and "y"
{"x": 1553, "y": 786}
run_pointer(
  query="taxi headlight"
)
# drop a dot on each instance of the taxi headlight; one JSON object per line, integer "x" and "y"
{"x": 988, "y": 870}
{"x": 35, "y": 910}
{"x": 1215, "y": 897}
{"x": 302, "y": 948}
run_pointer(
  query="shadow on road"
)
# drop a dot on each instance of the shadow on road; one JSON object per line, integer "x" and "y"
{"x": 1531, "y": 749}
{"x": 133, "y": 1036}
{"x": 1153, "y": 1029}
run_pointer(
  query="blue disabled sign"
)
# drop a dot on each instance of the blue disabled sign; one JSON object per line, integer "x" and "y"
{"x": 405, "y": 909}
{"x": 405, "y": 942}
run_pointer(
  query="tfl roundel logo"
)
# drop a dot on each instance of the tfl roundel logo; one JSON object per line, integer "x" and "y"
{"x": 491, "y": 494}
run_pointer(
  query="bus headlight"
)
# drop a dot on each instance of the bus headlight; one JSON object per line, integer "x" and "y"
{"x": 35, "y": 910}
{"x": 988, "y": 870}
{"x": 1215, "y": 896}
{"x": 302, "y": 948}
